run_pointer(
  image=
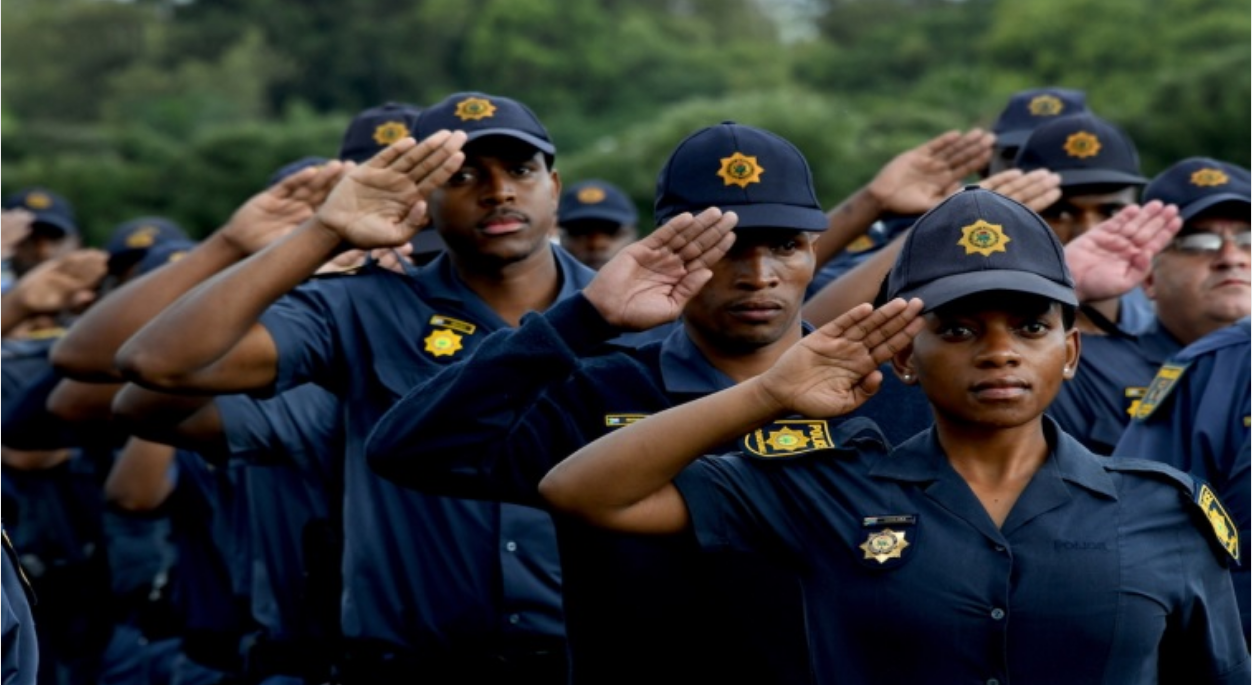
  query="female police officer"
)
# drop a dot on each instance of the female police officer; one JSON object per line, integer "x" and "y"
{"x": 991, "y": 548}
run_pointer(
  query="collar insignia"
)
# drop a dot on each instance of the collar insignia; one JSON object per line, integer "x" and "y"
{"x": 389, "y": 132}
{"x": 788, "y": 438}
{"x": 591, "y": 195}
{"x": 740, "y": 170}
{"x": 619, "y": 420}
{"x": 1223, "y": 526}
{"x": 1082, "y": 145}
{"x": 443, "y": 343}
{"x": 884, "y": 544}
{"x": 1133, "y": 396}
{"x": 983, "y": 238}
{"x": 142, "y": 237}
{"x": 473, "y": 109}
{"x": 1162, "y": 385}
{"x": 38, "y": 201}
{"x": 1209, "y": 177}
{"x": 1046, "y": 106}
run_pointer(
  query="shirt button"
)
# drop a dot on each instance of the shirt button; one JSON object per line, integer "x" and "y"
{"x": 993, "y": 681}
{"x": 511, "y": 546}
{"x": 514, "y": 619}
{"x": 999, "y": 548}
{"x": 997, "y": 613}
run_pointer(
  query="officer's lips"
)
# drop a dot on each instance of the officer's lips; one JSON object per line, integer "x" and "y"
{"x": 757, "y": 310}
{"x": 1001, "y": 389}
{"x": 503, "y": 223}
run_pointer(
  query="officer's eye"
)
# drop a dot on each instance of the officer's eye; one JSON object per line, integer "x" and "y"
{"x": 1036, "y": 328}
{"x": 787, "y": 246}
{"x": 463, "y": 176}
{"x": 953, "y": 330}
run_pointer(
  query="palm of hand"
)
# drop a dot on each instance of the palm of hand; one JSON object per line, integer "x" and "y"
{"x": 368, "y": 208}
{"x": 822, "y": 378}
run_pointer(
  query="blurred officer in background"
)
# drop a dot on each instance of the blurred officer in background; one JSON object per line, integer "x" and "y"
{"x": 596, "y": 221}
{"x": 38, "y": 225}
{"x": 1027, "y": 110}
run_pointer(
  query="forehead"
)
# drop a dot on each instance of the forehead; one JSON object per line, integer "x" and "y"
{"x": 996, "y": 301}
{"x": 770, "y": 236}
{"x": 1223, "y": 218}
{"x": 1096, "y": 196}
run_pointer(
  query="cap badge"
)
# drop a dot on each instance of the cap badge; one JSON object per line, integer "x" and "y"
{"x": 591, "y": 195}
{"x": 443, "y": 343}
{"x": 983, "y": 238}
{"x": 389, "y": 132}
{"x": 884, "y": 544}
{"x": 473, "y": 109}
{"x": 1209, "y": 176}
{"x": 1046, "y": 106}
{"x": 175, "y": 256}
{"x": 740, "y": 170}
{"x": 1223, "y": 526}
{"x": 1082, "y": 145}
{"x": 38, "y": 201}
{"x": 142, "y": 237}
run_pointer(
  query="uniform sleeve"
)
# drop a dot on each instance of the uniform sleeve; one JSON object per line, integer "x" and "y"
{"x": 297, "y": 426}
{"x": 303, "y": 326}
{"x": 737, "y": 507}
{"x": 493, "y": 425}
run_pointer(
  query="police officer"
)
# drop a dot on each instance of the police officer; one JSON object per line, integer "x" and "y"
{"x": 1199, "y": 282}
{"x": 1195, "y": 417}
{"x": 1025, "y": 111}
{"x": 132, "y": 239}
{"x": 52, "y": 231}
{"x": 596, "y": 221}
{"x": 435, "y": 588}
{"x": 980, "y": 549}
{"x": 1100, "y": 176}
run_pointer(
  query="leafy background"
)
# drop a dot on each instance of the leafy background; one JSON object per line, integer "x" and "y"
{"x": 184, "y": 108}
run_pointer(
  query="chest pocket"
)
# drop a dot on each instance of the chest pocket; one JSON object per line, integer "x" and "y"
{"x": 886, "y": 541}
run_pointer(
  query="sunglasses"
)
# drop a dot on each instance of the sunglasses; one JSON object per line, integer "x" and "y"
{"x": 1205, "y": 243}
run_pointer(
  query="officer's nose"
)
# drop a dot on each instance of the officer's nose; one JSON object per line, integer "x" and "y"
{"x": 1231, "y": 255}
{"x": 998, "y": 348}
{"x": 499, "y": 189}
{"x": 755, "y": 268}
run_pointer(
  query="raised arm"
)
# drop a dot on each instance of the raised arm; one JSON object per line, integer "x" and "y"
{"x": 1116, "y": 254}
{"x": 87, "y": 351}
{"x": 209, "y": 339}
{"x": 65, "y": 283}
{"x": 623, "y": 481}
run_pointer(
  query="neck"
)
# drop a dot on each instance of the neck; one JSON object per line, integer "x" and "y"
{"x": 740, "y": 365}
{"x": 516, "y": 288}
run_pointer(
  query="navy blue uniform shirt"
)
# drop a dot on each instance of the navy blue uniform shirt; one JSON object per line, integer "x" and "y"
{"x": 638, "y": 608}
{"x": 420, "y": 572}
{"x": 1113, "y": 374}
{"x": 1200, "y": 426}
{"x": 1099, "y": 571}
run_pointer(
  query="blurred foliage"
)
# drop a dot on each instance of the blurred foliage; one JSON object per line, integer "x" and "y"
{"x": 185, "y": 107}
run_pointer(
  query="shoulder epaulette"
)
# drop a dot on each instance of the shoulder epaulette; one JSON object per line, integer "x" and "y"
{"x": 1158, "y": 392}
{"x": 1221, "y": 528}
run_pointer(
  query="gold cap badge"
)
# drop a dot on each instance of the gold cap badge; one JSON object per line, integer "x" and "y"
{"x": 1046, "y": 106}
{"x": 38, "y": 201}
{"x": 473, "y": 109}
{"x": 389, "y": 132}
{"x": 1082, "y": 145}
{"x": 1209, "y": 176}
{"x": 591, "y": 195}
{"x": 141, "y": 237}
{"x": 983, "y": 238}
{"x": 740, "y": 170}
{"x": 443, "y": 343}
{"x": 884, "y": 544}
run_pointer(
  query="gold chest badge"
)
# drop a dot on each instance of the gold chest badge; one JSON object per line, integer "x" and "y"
{"x": 983, "y": 238}
{"x": 445, "y": 340}
{"x": 885, "y": 544}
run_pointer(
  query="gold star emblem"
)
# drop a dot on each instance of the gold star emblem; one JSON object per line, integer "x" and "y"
{"x": 591, "y": 195}
{"x": 884, "y": 544}
{"x": 389, "y": 132}
{"x": 38, "y": 201}
{"x": 1046, "y": 106}
{"x": 473, "y": 109}
{"x": 983, "y": 238}
{"x": 142, "y": 237}
{"x": 443, "y": 343}
{"x": 740, "y": 170}
{"x": 1209, "y": 177}
{"x": 787, "y": 440}
{"x": 1082, "y": 145}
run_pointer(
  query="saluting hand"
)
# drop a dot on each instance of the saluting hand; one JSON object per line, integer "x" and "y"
{"x": 1038, "y": 189}
{"x": 650, "y": 281}
{"x": 277, "y": 210}
{"x": 918, "y": 179}
{"x": 1116, "y": 254}
{"x": 67, "y": 282}
{"x": 834, "y": 369}
{"x": 382, "y": 203}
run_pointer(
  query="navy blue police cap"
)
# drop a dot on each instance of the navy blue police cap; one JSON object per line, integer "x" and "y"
{"x": 756, "y": 174}
{"x": 132, "y": 239}
{"x": 53, "y": 213}
{"x": 1198, "y": 183}
{"x": 480, "y": 115}
{"x": 978, "y": 240}
{"x": 376, "y": 128}
{"x": 1084, "y": 150}
{"x": 292, "y": 168}
{"x": 596, "y": 200}
{"x": 166, "y": 252}
{"x": 1028, "y": 109}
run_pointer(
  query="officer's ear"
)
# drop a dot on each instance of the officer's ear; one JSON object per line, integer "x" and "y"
{"x": 556, "y": 189}
{"x": 1073, "y": 351}
{"x": 902, "y": 364}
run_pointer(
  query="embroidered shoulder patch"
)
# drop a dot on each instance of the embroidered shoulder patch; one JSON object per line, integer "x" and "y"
{"x": 1223, "y": 526}
{"x": 1162, "y": 385}
{"x": 788, "y": 438}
